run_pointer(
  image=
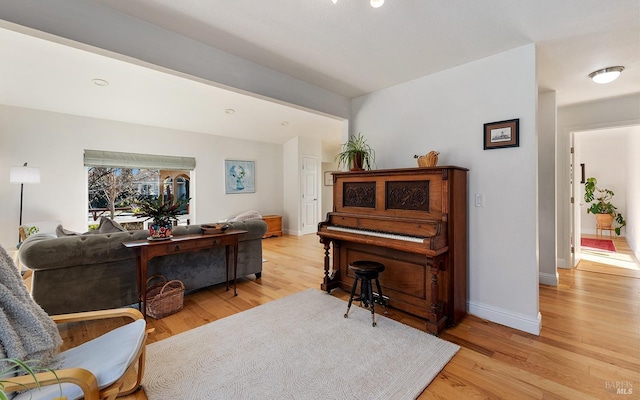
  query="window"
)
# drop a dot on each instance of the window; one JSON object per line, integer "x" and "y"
{"x": 116, "y": 179}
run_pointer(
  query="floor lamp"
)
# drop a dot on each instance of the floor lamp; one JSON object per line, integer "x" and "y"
{"x": 23, "y": 175}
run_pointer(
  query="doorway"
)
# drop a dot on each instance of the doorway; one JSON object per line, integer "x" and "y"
{"x": 607, "y": 155}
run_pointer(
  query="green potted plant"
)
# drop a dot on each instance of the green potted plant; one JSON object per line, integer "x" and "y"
{"x": 163, "y": 213}
{"x": 356, "y": 154}
{"x": 601, "y": 206}
{"x": 18, "y": 367}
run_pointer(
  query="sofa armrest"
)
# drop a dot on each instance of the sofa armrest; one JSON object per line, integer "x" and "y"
{"x": 256, "y": 228}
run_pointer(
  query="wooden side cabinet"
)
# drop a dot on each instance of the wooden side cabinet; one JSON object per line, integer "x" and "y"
{"x": 274, "y": 225}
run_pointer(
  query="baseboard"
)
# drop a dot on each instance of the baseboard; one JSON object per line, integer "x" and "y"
{"x": 562, "y": 263}
{"x": 507, "y": 318}
{"x": 548, "y": 279}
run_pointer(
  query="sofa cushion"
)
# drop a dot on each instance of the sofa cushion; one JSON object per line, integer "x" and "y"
{"x": 107, "y": 225}
{"x": 61, "y": 232}
{"x": 247, "y": 215}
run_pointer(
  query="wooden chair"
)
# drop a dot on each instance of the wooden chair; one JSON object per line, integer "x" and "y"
{"x": 95, "y": 369}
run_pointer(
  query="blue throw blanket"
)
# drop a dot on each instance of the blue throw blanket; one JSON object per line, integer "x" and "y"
{"x": 27, "y": 332}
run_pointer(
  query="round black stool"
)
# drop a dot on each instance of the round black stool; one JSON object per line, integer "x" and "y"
{"x": 366, "y": 271}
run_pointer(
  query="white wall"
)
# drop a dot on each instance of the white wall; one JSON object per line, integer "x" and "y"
{"x": 329, "y": 164}
{"x": 55, "y": 143}
{"x": 446, "y": 112}
{"x": 633, "y": 192}
{"x": 547, "y": 187}
{"x": 291, "y": 188}
{"x": 610, "y": 113}
{"x": 327, "y": 190}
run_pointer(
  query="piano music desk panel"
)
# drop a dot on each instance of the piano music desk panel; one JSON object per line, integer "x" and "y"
{"x": 413, "y": 221}
{"x": 396, "y": 196}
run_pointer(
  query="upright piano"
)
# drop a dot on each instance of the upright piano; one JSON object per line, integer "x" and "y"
{"x": 414, "y": 221}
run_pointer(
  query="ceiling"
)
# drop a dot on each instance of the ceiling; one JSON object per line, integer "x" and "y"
{"x": 144, "y": 95}
{"x": 349, "y": 48}
{"x": 353, "y": 49}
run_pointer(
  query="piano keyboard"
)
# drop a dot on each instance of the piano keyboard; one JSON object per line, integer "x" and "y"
{"x": 405, "y": 238}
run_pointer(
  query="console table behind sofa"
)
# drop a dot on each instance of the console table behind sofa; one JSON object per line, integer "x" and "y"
{"x": 95, "y": 272}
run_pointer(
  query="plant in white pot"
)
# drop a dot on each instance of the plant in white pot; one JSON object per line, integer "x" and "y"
{"x": 601, "y": 205}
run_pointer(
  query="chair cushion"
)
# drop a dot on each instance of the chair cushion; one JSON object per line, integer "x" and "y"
{"x": 107, "y": 357}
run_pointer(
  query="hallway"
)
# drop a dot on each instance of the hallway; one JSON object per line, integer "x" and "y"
{"x": 622, "y": 262}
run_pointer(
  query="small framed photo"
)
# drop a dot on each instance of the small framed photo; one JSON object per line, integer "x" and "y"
{"x": 328, "y": 178}
{"x": 239, "y": 176}
{"x": 498, "y": 135}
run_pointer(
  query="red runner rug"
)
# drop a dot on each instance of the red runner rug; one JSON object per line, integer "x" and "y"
{"x": 598, "y": 244}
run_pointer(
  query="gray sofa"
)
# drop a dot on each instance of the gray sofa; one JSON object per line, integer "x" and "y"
{"x": 95, "y": 272}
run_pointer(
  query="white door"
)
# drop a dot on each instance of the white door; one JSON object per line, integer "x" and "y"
{"x": 309, "y": 206}
{"x": 575, "y": 175}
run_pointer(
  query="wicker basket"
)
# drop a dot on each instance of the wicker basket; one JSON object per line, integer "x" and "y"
{"x": 164, "y": 298}
{"x": 428, "y": 160}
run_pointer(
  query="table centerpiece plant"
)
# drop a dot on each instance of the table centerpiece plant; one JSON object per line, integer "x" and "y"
{"x": 164, "y": 213}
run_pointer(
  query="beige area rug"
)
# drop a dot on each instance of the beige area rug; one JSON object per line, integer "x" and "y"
{"x": 298, "y": 347}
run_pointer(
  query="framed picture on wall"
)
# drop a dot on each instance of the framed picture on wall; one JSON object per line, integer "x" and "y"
{"x": 239, "y": 176}
{"x": 498, "y": 135}
{"x": 328, "y": 178}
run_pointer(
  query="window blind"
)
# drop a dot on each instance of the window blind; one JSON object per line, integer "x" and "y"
{"x": 100, "y": 158}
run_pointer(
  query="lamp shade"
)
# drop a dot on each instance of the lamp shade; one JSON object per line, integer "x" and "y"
{"x": 24, "y": 174}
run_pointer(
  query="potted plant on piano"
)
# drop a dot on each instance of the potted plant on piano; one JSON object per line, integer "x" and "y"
{"x": 601, "y": 206}
{"x": 356, "y": 154}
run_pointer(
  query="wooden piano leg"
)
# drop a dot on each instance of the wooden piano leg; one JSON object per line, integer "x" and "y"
{"x": 436, "y": 320}
{"x": 329, "y": 282}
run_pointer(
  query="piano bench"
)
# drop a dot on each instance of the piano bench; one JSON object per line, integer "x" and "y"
{"x": 366, "y": 271}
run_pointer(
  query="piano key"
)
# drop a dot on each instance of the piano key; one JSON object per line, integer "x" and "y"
{"x": 386, "y": 235}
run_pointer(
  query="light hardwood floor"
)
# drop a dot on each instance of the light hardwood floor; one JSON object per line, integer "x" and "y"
{"x": 589, "y": 345}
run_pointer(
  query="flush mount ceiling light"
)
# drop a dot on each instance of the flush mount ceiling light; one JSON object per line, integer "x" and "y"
{"x": 100, "y": 82}
{"x": 606, "y": 75}
{"x": 374, "y": 3}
